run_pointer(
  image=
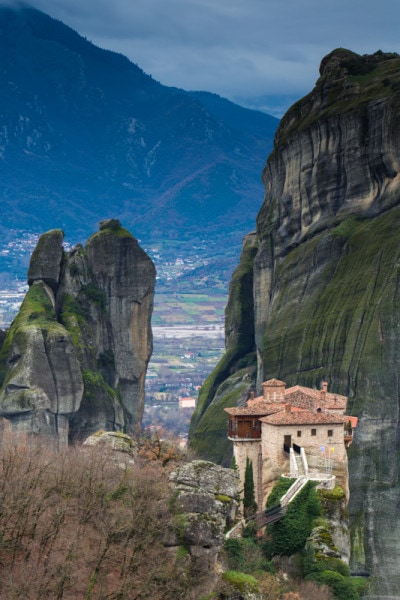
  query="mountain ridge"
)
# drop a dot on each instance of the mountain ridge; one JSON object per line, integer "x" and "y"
{"x": 84, "y": 128}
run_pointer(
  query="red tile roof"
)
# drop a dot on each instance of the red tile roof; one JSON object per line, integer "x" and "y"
{"x": 259, "y": 409}
{"x": 300, "y": 394}
{"x": 353, "y": 421}
{"x": 303, "y": 417}
{"x": 304, "y": 403}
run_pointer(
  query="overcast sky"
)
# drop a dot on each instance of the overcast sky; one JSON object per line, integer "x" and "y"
{"x": 236, "y": 48}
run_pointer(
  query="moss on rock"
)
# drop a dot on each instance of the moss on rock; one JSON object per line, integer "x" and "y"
{"x": 244, "y": 583}
{"x": 210, "y": 438}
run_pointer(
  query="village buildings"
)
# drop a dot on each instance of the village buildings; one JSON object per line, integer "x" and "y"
{"x": 298, "y": 431}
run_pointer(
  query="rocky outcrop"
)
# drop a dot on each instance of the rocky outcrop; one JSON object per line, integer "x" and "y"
{"x": 204, "y": 501}
{"x": 45, "y": 264}
{"x": 116, "y": 441}
{"x": 326, "y": 291}
{"x": 118, "y": 447}
{"x": 75, "y": 357}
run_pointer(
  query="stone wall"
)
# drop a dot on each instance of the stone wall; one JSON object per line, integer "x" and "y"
{"x": 248, "y": 449}
{"x": 273, "y": 439}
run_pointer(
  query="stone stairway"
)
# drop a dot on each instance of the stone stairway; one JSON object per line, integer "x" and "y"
{"x": 272, "y": 514}
{"x": 294, "y": 489}
{"x": 300, "y": 465}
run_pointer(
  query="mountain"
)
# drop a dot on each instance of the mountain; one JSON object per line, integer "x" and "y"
{"x": 316, "y": 295}
{"x": 75, "y": 357}
{"x": 85, "y": 133}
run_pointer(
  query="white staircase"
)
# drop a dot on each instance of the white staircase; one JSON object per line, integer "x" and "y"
{"x": 294, "y": 489}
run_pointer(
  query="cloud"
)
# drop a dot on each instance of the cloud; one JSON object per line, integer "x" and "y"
{"x": 232, "y": 47}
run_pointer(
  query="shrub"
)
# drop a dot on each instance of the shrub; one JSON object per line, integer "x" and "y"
{"x": 241, "y": 581}
{"x": 76, "y": 525}
{"x": 245, "y": 554}
{"x": 96, "y": 295}
{"x": 343, "y": 587}
{"x": 290, "y": 534}
{"x": 280, "y": 488}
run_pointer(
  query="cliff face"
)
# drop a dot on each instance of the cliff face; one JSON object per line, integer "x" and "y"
{"x": 326, "y": 281}
{"x": 75, "y": 357}
{"x": 230, "y": 382}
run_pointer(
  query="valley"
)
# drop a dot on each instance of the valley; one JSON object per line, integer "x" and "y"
{"x": 188, "y": 341}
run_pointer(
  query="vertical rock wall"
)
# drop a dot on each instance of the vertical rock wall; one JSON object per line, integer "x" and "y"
{"x": 326, "y": 293}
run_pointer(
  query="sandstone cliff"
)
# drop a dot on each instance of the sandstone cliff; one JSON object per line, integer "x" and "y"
{"x": 326, "y": 286}
{"x": 75, "y": 357}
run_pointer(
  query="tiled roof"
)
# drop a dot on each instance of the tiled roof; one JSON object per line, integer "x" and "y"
{"x": 274, "y": 382}
{"x": 302, "y": 417}
{"x": 259, "y": 409}
{"x": 308, "y": 397}
{"x": 301, "y": 399}
{"x": 353, "y": 420}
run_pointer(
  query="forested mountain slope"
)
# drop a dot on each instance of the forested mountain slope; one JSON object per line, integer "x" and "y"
{"x": 85, "y": 133}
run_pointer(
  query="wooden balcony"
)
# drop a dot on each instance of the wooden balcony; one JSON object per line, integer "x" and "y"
{"x": 247, "y": 435}
{"x": 244, "y": 428}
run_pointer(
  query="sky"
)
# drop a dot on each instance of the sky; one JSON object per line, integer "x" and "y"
{"x": 256, "y": 50}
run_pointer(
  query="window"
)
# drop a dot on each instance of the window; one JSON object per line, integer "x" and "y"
{"x": 299, "y": 434}
{"x": 330, "y": 432}
{"x": 313, "y": 432}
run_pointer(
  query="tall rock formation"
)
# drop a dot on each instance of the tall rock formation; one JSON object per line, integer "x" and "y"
{"x": 326, "y": 287}
{"x": 75, "y": 357}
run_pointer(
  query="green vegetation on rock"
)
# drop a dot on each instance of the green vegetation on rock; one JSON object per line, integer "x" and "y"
{"x": 111, "y": 227}
{"x": 96, "y": 295}
{"x": 95, "y": 386}
{"x": 36, "y": 311}
{"x": 208, "y": 435}
{"x": 290, "y": 534}
{"x": 241, "y": 581}
{"x": 351, "y": 291}
{"x": 354, "y": 80}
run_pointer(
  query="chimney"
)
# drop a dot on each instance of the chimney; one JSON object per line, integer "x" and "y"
{"x": 250, "y": 399}
{"x": 288, "y": 408}
{"x": 324, "y": 390}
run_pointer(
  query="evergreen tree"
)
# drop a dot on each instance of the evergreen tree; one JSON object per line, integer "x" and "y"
{"x": 233, "y": 464}
{"x": 249, "y": 501}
